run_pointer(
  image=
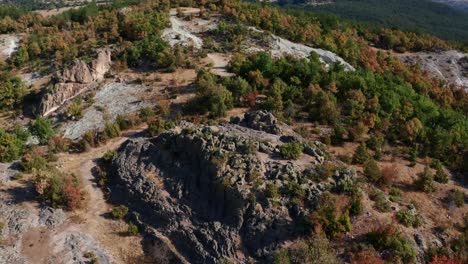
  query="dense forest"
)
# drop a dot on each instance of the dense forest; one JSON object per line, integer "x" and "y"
{"x": 414, "y": 15}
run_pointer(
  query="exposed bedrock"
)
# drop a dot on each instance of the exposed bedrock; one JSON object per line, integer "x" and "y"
{"x": 204, "y": 188}
{"x": 73, "y": 81}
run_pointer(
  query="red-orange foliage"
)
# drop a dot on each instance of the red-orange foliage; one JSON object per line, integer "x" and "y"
{"x": 445, "y": 260}
{"x": 72, "y": 190}
{"x": 389, "y": 175}
{"x": 366, "y": 257}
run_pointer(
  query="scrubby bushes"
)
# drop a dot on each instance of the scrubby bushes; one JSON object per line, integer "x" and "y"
{"x": 333, "y": 216}
{"x": 389, "y": 238}
{"x": 372, "y": 171}
{"x": 291, "y": 150}
{"x": 42, "y": 128}
{"x": 381, "y": 202}
{"x": 455, "y": 197}
{"x": 59, "y": 190}
{"x": 361, "y": 156}
{"x": 120, "y": 212}
{"x": 12, "y": 146}
{"x": 316, "y": 250}
{"x": 132, "y": 229}
{"x": 425, "y": 181}
{"x": 409, "y": 219}
{"x": 211, "y": 96}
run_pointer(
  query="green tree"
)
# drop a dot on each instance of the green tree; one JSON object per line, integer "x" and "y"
{"x": 361, "y": 156}
{"x": 425, "y": 181}
{"x": 42, "y": 128}
{"x": 372, "y": 171}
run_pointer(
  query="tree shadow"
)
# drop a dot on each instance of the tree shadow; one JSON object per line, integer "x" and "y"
{"x": 22, "y": 194}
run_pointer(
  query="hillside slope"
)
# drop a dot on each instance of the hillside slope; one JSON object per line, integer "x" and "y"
{"x": 419, "y": 15}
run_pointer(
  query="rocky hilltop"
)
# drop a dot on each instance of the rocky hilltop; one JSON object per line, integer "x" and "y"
{"x": 73, "y": 81}
{"x": 220, "y": 192}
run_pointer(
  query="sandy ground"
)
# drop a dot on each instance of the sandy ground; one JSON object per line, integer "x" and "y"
{"x": 219, "y": 63}
{"x": 95, "y": 224}
{"x": 430, "y": 206}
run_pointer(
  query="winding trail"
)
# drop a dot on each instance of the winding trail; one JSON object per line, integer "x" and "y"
{"x": 105, "y": 231}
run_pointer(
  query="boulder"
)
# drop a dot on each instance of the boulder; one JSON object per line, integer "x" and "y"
{"x": 73, "y": 81}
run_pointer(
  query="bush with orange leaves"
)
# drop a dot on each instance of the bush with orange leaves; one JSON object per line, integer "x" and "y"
{"x": 367, "y": 257}
{"x": 389, "y": 175}
{"x": 59, "y": 190}
{"x": 445, "y": 260}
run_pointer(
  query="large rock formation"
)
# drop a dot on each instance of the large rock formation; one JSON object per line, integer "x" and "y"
{"x": 450, "y": 66}
{"x": 218, "y": 192}
{"x": 73, "y": 81}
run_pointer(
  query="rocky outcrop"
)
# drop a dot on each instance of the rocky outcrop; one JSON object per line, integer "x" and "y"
{"x": 217, "y": 192}
{"x": 66, "y": 246}
{"x": 73, "y": 81}
{"x": 260, "y": 120}
{"x": 450, "y": 66}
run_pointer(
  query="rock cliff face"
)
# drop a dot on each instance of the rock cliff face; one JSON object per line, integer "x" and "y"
{"x": 218, "y": 192}
{"x": 73, "y": 81}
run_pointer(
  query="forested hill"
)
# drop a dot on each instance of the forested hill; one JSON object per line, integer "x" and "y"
{"x": 416, "y": 15}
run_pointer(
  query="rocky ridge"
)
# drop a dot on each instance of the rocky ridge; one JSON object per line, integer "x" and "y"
{"x": 220, "y": 192}
{"x": 73, "y": 81}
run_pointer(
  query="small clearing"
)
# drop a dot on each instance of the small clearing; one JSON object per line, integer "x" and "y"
{"x": 8, "y": 45}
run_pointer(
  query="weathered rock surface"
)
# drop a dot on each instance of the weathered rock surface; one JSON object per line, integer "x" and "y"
{"x": 73, "y": 81}
{"x": 450, "y": 66}
{"x": 217, "y": 192}
{"x": 64, "y": 246}
{"x": 279, "y": 47}
{"x": 261, "y": 120}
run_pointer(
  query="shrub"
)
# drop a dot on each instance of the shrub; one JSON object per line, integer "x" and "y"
{"x": 132, "y": 229}
{"x": 337, "y": 137}
{"x": 58, "y": 144}
{"x": 372, "y": 171}
{"x": 146, "y": 114}
{"x": 425, "y": 182}
{"x": 295, "y": 190}
{"x": 34, "y": 160}
{"x": 42, "y": 128}
{"x": 315, "y": 251}
{"x": 109, "y": 155}
{"x": 356, "y": 207}
{"x": 456, "y": 197}
{"x": 159, "y": 125}
{"x": 395, "y": 195}
{"x": 361, "y": 156}
{"x": 120, "y": 212}
{"x": 291, "y": 150}
{"x": 11, "y": 146}
{"x": 271, "y": 191}
{"x": 440, "y": 176}
{"x": 389, "y": 175}
{"x": 324, "y": 171}
{"x": 111, "y": 130}
{"x": 75, "y": 109}
{"x": 381, "y": 202}
{"x": 247, "y": 147}
{"x": 60, "y": 191}
{"x": 406, "y": 218}
{"x": 334, "y": 220}
{"x": 388, "y": 238}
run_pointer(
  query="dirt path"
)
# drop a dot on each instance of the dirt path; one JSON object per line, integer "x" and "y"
{"x": 93, "y": 218}
{"x": 220, "y": 63}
